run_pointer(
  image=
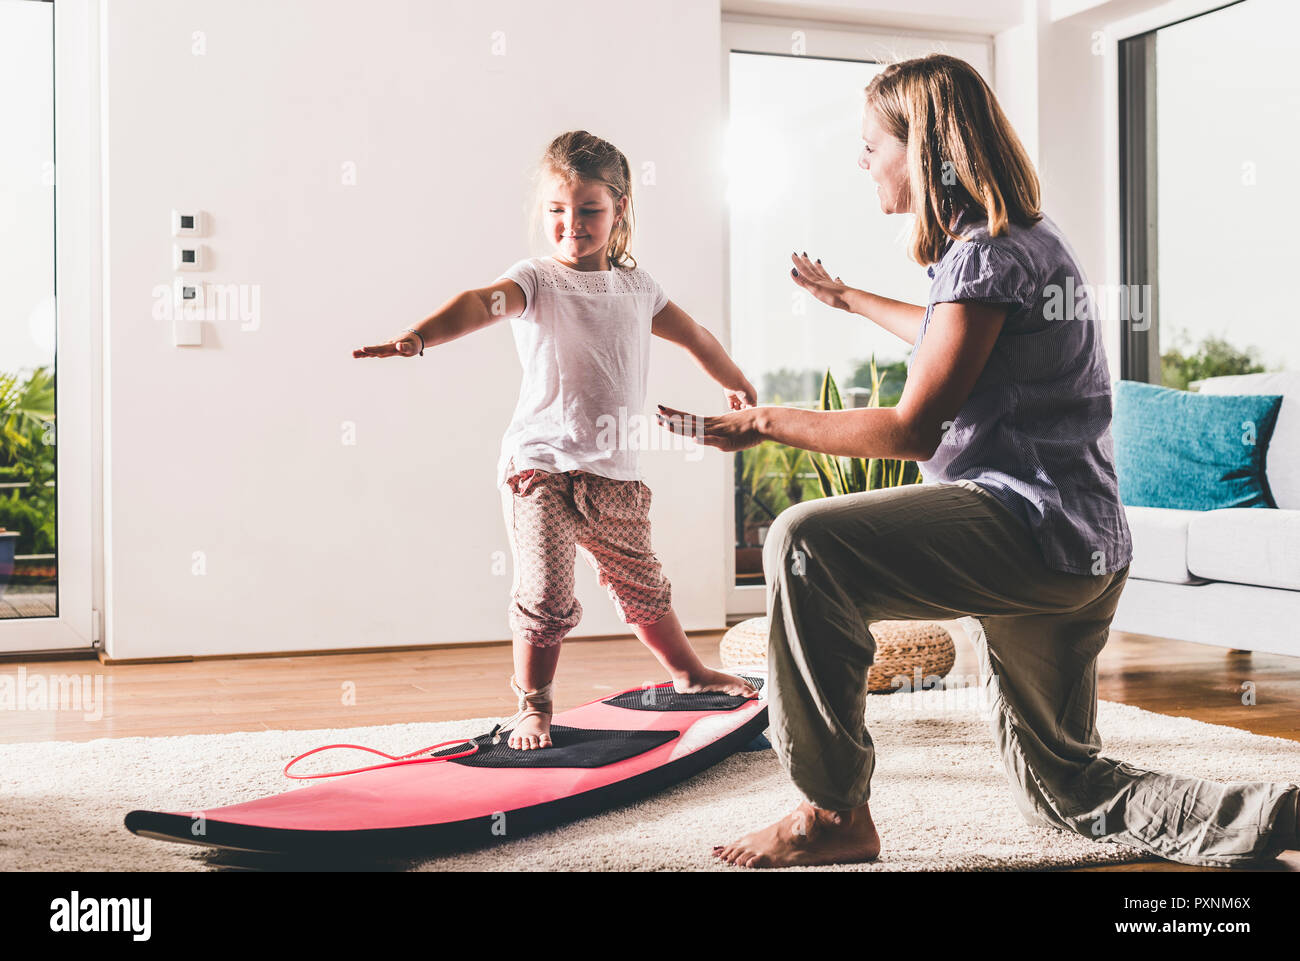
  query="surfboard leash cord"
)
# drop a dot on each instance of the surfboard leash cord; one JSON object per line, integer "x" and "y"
{"x": 395, "y": 760}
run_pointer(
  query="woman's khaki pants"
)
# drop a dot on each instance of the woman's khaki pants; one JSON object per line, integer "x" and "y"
{"x": 943, "y": 551}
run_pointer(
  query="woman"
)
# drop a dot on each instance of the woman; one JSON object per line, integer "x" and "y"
{"x": 1007, "y": 409}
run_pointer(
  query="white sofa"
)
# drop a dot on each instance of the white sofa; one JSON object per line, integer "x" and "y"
{"x": 1226, "y": 577}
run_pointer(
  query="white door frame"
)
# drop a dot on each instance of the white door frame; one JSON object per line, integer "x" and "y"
{"x": 78, "y": 301}
{"x": 841, "y": 41}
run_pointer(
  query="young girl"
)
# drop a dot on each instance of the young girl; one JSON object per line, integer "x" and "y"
{"x": 582, "y": 320}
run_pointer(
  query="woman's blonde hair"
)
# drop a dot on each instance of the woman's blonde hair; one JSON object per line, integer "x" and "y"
{"x": 578, "y": 156}
{"x": 962, "y": 152}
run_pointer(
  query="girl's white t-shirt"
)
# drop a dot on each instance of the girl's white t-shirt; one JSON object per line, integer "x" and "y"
{"x": 584, "y": 343}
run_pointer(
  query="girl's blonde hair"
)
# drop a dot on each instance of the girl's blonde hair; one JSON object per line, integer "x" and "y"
{"x": 580, "y": 156}
{"x": 962, "y": 152}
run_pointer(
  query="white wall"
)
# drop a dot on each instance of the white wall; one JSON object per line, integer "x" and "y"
{"x": 234, "y": 449}
{"x": 1015, "y": 77}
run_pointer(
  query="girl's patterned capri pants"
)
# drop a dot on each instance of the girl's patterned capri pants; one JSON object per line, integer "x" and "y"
{"x": 549, "y": 516}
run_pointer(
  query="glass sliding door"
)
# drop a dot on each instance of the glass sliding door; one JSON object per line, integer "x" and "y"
{"x": 33, "y": 597}
{"x": 28, "y": 492}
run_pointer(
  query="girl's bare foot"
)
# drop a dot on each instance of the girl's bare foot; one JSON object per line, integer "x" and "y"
{"x": 668, "y": 642}
{"x": 807, "y": 835}
{"x": 706, "y": 679}
{"x": 534, "y": 731}
{"x": 530, "y": 726}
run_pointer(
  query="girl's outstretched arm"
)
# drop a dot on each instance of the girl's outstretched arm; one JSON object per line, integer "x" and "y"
{"x": 675, "y": 325}
{"x": 466, "y": 312}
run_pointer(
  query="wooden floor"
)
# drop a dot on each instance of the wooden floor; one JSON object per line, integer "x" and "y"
{"x": 358, "y": 690}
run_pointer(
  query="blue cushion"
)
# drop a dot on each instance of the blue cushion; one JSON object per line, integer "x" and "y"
{"x": 1191, "y": 451}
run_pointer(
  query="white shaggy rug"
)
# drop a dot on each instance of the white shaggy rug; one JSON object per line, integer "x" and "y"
{"x": 939, "y": 797}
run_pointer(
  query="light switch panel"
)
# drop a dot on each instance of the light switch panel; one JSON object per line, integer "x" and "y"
{"x": 186, "y": 332}
{"x": 188, "y": 292}
{"x": 188, "y": 223}
{"x": 189, "y": 256}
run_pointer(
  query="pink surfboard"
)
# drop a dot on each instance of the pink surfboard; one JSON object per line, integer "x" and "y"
{"x": 605, "y": 752}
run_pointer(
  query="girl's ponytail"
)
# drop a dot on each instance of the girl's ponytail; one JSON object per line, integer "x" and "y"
{"x": 621, "y": 236}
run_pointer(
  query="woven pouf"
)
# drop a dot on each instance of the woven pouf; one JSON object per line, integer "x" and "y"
{"x": 915, "y": 650}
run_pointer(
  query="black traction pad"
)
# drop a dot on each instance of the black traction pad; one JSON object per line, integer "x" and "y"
{"x": 570, "y": 747}
{"x": 666, "y": 699}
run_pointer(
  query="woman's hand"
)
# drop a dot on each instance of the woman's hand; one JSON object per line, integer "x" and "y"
{"x": 407, "y": 345}
{"x": 812, "y": 277}
{"x": 741, "y": 397}
{"x": 727, "y": 432}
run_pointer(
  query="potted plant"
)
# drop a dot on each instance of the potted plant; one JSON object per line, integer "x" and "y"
{"x": 851, "y": 475}
{"x": 27, "y": 466}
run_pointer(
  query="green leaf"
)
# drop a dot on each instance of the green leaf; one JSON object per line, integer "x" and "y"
{"x": 830, "y": 394}
{"x": 858, "y": 474}
{"x": 823, "y": 478}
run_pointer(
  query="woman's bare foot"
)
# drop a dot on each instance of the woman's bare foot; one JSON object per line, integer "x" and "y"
{"x": 807, "y": 835}
{"x": 534, "y": 731}
{"x": 706, "y": 679}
